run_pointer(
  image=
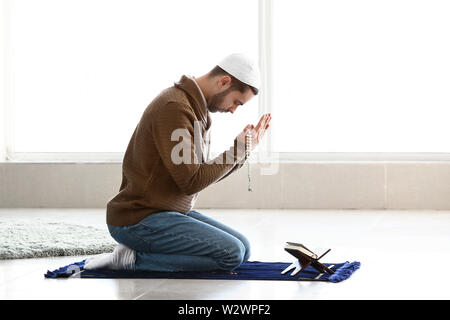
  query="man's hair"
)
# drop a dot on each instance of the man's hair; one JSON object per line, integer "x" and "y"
{"x": 235, "y": 83}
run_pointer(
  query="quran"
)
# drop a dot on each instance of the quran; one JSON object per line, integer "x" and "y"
{"x": 305, "y": 258}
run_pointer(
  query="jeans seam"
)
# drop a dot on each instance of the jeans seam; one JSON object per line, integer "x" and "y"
{"x": 215, "y": 245}
{"x": 187, "y": 237}
{"x": 210, "y": 243}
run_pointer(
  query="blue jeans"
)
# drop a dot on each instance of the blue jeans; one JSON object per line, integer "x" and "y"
{"x": 171, "y": 241}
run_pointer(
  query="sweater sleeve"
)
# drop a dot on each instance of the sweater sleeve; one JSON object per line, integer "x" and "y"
{"x": 236, "y": 167}
{"x": 173, "y": 134}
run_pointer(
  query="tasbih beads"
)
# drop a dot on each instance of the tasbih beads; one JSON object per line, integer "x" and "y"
{"x": 248, "y": 148}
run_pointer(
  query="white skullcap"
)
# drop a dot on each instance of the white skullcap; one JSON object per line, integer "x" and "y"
{"x": 242, "y": 68}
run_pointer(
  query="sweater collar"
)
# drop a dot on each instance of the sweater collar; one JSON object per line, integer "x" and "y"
{"x": 189, "y": 86}
{"x": 201, "y": 92}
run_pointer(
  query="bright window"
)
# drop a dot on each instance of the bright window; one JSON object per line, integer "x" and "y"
{"x": 82, "y": 72}
{"x": 348, "y": 75}
{"x": 361, "y": 76}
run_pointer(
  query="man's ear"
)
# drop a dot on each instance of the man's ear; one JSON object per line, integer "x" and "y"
{"x": 224, "y": 82}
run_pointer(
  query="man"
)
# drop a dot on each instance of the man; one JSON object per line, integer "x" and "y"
{"x": 151, "y": 217}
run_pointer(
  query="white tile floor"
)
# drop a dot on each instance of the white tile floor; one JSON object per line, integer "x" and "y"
{"x": 403, "y": 255}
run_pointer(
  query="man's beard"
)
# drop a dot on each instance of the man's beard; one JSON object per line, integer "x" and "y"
{"x": 217, "y": 100}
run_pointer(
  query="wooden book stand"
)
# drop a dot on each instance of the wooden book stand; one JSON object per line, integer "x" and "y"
{"x": 305, "y": 258}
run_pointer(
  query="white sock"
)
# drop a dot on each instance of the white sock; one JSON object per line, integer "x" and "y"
{"x": 122, "y": 258}
{"x": 100, "y": 261}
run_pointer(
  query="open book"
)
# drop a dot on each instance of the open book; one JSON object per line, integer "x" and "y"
{"x": 292, "y": 246}
{"x": 305, "y": 258}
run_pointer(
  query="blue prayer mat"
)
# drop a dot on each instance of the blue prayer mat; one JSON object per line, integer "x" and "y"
{"x": 251, "y": 270}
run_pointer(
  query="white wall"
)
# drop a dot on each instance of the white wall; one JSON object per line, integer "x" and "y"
{"x": 2, "y": 80}
{"x": 306, "y": 185}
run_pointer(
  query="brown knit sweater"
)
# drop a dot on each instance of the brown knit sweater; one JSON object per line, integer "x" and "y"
{"x": 151, "y": 181}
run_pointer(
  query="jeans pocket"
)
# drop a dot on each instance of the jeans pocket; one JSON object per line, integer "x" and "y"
{"x": 137, "y": 237}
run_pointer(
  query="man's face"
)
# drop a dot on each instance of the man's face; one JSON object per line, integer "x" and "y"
{"x": 229, "y": 100}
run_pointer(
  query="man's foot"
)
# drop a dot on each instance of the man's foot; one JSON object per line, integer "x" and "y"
{"x": 122, "y": 258}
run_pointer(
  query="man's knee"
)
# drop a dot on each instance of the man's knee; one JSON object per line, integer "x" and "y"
{"x": 234, "y": 255}
{"x": 247, "y": 249}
